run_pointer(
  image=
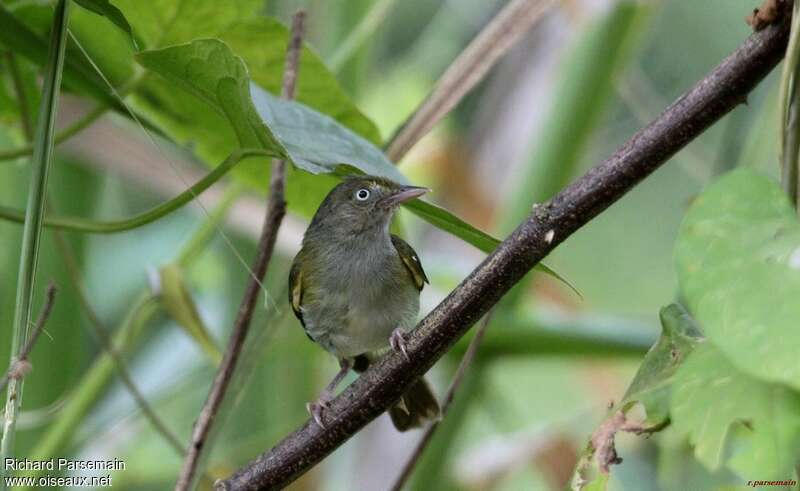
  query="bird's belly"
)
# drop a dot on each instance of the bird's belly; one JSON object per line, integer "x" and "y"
{"x": 348, "y": 327}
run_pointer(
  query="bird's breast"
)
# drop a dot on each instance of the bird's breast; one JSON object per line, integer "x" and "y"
{"x": 356, "y": 304}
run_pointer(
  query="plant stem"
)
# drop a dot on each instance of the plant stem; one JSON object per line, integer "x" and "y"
{"x": 42, "y": 157}
{"x": 545, "y": 228}
{"x": 18, "y": 367}
{"x": 276, "y": 209}
{"x": 91, "y": 226}
{"x": 790, "y": 114}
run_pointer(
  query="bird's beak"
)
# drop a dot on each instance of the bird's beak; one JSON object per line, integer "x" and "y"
{"x": 405, "y": 193}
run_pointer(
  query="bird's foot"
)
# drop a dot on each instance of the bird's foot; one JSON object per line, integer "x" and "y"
{"x": 318, "y": 407}
{"x": 398, "y": 340}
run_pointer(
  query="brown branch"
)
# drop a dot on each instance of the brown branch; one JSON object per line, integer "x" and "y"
{"x": 466, "y": 361}
{"x": 276, "y": 209}
{"x": 383, "y": 383}
{"x": 467, "y": 71}
{"x": 602, "y": 443}
{"x": 20, "y": 366}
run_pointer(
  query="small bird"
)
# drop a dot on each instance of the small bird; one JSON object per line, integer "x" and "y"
{"x": 355, "y": 287}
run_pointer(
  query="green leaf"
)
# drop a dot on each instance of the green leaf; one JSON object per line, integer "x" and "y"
{"x": 178, "y": 303}
{"x": 261, "y": 42}
{"x": 652, "y": 383}
{"x": 208, "y": 70}
{"x": 166, "y": 22}
{"x": 448, "y": 222}
{"x": 78, "y": 72}
{"x": 109, "y": 11}
{"x": 710, "y": 397}
{"x": 738, "y": 261}
{"x": 313, "y": 142}
{"x": 599, "y": 483}
{"x": 317, "y": 143}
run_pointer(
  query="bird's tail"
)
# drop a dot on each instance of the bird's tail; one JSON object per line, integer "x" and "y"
{"x": 417, "y": 406}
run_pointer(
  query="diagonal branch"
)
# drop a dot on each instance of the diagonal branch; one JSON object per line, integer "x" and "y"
{"x": 547, "y": 226}
{"x": 276, "y": 209}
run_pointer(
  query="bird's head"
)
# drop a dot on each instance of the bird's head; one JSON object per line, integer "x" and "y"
{"x": 363, "y": 203}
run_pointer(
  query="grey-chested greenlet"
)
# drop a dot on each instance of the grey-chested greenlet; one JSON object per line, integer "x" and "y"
{"x": 355, "y": 287}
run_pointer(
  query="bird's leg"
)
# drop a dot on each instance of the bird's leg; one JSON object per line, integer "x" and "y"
{"x": 398, "y": 340}
{"x": 316, "y": 408}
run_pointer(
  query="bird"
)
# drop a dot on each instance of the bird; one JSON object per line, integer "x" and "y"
{"x": 355, "y": 288}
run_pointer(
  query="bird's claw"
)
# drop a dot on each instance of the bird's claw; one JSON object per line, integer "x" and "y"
{"x": 317, "y": 408}
{"x": 398, "y": 341}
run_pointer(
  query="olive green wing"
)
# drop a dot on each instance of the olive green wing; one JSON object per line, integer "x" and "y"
{"x": 296, "y": 289}
{"x": 411, "y": 261}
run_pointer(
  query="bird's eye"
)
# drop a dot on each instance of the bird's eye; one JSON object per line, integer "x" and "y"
{"x": 362, "y": 194}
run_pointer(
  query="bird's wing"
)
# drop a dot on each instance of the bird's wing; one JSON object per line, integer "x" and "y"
{"x": 411, "y": 261}
{"x": 296, "y": 289}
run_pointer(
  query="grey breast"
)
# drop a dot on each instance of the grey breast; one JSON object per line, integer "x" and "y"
{"x": 365, "y": 294}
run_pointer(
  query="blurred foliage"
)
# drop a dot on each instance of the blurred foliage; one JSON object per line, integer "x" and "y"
{"x": 737, "y": 256}
{"x": 203, "y": 78}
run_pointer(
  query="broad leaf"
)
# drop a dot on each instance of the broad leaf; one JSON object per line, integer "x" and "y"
{"x": 317, "y": 143}
{"x": 652, "y": 383}
{"x": 78, "y": 72}
{"x": 166, "y": 22}
{"x": 738, "y": 261}
{"x": 109, "y": 11}
{"x": 261, "y": 42}
{"x": 208, "y": 70}
{"x": 710, "y": 397}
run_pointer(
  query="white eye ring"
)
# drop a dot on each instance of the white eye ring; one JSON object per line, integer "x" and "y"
{"x": 362, "y": 194}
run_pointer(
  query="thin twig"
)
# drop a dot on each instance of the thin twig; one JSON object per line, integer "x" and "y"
{"x": 20, "y": 366}
{"x": 548, "y": 225}
{"x": 466, "y": 361}
{"x": 276, "y": 209}
{"x": 467, "y": 71}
